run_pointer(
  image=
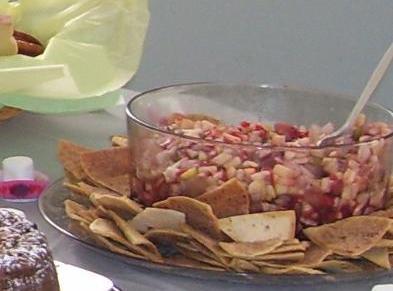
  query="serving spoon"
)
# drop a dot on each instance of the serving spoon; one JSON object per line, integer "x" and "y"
{"x": 372, "y": 84}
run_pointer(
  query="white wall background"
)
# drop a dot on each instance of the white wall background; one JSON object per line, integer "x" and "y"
{"x": 324, "y": 44}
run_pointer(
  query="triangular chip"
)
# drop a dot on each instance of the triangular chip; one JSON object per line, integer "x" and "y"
{"x": 199, "y": 215}
{"x": 158, "y": 218}
{"x": 106, "y": 243}
{"x": 120, "y": 204}
{"x": 69, "y": 155}
{"x": 250, "y": 250}
{"x": 76, "y": 211}
{"x": 135, "y": 237}
{"x": 199, "y": 257}
{"x": 109, "y": 168}
{"x": 166, "y": 236}
{"x": 314, "y": 255}
{"x": 229, "y": 199}
{"x": 206, "y": 242}
{"x": 292, "y": 256}
{"x": 286, "y": 248}
{"x": 291, "y": 270}
{"x": 240, "y": 265}
{"x": 260, "y": 226}
{"x": 378, "y": 256}
{"x": 385, "y": 243}
{"x": 351, "y": 236}
{"x": 336, "y": 266}
{"x": 108, "y": 229}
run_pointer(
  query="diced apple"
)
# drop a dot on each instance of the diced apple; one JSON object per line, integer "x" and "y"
{"x": 260, "y": 226}
{"x": 158, "y": 218}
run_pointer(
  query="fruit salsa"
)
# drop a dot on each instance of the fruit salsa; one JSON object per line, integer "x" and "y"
{"x": 279, "y": 165}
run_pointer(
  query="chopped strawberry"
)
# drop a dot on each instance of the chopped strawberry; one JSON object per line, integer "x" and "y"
{"x": 289, "y": 131}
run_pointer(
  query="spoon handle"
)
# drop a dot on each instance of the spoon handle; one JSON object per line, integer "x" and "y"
{"x": 372, "y": 84}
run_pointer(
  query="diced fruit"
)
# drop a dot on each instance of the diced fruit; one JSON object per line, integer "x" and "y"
{"x": 260, "y": 226}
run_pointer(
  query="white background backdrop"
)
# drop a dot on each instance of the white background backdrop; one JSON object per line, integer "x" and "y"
{"x": 324, "y": 44}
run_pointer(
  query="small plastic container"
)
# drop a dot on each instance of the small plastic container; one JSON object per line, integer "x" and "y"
{"x": 19, "y": 182}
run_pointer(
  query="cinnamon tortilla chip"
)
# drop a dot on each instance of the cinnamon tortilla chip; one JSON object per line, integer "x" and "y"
{"x": 106, "y": 243}
{"x": 229, "y": 199}
{"x": 206, "y": 242}
{"x": 351, "y": 236}
{"x": 250, "y": 250}
{"x": 134, "y": 236}
{"x": 120, "y": 204}
{"x": 315, "y": 255}
{"x": 378, "y": 256}
{"x": 77, "y": 211}
{"x": 108, "y": 168}
{"x": 240, "y": 265}
{"x": 199, "y": 257}
{"x": 166, "y": 235}
{"x": 290, "y": 270}
{"x": 69, "y": 155}
{"x": 291, "y": 256}
{"x": 199, "y": 215}
{"x": 335, "y": 266}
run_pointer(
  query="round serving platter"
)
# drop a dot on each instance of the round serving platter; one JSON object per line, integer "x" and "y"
{"x": 52, "y": 208}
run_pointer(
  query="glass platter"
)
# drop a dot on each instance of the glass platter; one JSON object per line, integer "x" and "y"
{"x": 52, "y": 208}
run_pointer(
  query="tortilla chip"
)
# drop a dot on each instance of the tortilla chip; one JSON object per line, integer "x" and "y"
{"x": 106, "y": 243}
{"x": 166, "y": 236}
{"x": 206, "y": 242}
{"x": 335, "y": 266}
{"x": 250, "y": 250}
{"x": 109, "y": 168}
{"x": 385, "y": 243}
{"x": 383, "y": 213}
{"x": 292, "y": 256}
{"x": 315, "y": 255}
{"x": 260, "y": 226}
{"x": 199, "y": 215}
{"x": 351, "y": 236}
{"x": 182, "y": 261}
{"x": 158, "y": 218}
{"x": 135, "y": 237}
{"x": 123, "y": 205}
{"x": 289, "y": 248}
{"x": 119, "y": 141}
{"x": 199, "y": 257}
{"x": 76, "y": 189}
{"x": 240, "y": 265}
{"x": 69, "y": 155}
{"x": 378, "y": 256}
{"x": 120, "y": 232}
{"x": 188, "y": 246}
{"x": 229, "y": 199}
{"x": 292, "y": 270}
{"x": 76, "y": 211}
{"x": 108, "y": 229}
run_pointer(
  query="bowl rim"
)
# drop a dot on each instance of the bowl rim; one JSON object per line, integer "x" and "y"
{"x": 131, "y": 115}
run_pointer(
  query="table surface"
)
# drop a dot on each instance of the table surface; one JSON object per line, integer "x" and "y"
{"x": 36, "y": 136}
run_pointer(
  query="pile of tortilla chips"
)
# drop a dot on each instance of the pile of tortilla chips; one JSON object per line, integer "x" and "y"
{"x": 214, "y": 231}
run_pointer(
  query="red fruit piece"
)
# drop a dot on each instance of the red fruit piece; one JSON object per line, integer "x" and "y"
{"x": 290, "y": 131}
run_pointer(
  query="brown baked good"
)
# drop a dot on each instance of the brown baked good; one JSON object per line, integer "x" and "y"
{"x": 25, "y": 259}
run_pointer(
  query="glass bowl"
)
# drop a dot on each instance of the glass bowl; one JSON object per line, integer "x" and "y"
{"x": 322, "y": 184}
